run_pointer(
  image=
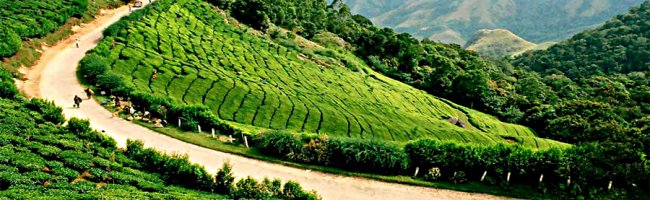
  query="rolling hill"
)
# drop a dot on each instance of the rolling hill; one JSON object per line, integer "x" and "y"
{"x": 500, "y": 43}
{"x": 453, "y": 21}
{"x": 199, "y": 57}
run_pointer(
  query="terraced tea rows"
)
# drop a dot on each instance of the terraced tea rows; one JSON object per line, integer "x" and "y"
{"x": 198, "y": 58}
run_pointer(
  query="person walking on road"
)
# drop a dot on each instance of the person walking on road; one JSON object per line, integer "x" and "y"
{"x": 89, "y": 92}
{"x": 76, "y": 42}
{"x": 77, "y": 101}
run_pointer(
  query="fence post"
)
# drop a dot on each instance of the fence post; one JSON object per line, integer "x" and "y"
{"x": 484, "y": 174}
{"x": 213, "y": 133}
{"x": 417, "y": 170}
{"x": 246, "y": 141}
{"x": 508, "y": 178}
{"x": 199, "y": 127}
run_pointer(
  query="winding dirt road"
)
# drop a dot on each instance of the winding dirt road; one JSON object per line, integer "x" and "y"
{"x": 54, "y": 78}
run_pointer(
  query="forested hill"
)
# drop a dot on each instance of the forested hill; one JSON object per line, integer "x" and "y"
{"x": 607, "y": 67}
{"x": 457, "y": 20}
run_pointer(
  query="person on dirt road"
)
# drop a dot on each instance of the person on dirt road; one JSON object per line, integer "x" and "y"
{"x": 89, "y": 92}
{"x": 77, "y": 101}
{"x": 76, "y": 42}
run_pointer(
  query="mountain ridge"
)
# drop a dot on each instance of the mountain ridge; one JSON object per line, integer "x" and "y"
{"x": 535, "y": 21}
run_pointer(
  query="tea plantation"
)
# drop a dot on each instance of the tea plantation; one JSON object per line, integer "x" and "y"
{"x": 42, "y": 159}
{"x": 201, "y": 58}
{"x": 33, "y": 18}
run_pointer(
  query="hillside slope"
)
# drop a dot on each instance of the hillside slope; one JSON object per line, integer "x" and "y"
{"x": 497, "y": 43}
{"x": 253, "y": 80}
{"x": 40, "y": 158}
{"x": 606, "y": 67}
{"x": 535, "y": 21}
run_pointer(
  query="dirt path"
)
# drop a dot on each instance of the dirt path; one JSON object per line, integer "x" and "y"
{"x": 54, "y": 78}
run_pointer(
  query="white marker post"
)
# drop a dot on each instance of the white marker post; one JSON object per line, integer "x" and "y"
{"x": 179, "y": 122}
{"x": 213, "y": 133}
{"x": 230, "y": 138}
{"x": 246, "y": 141}
{"x": 199, "y": 127}
{"x": 609, "y": 187}
{"x": 508, "y": 178}
{"x": 484, "y": 174}
{"x": 417, "y": 170}
{"x": 541, "y": 177}
{"x": 568, "y": 181}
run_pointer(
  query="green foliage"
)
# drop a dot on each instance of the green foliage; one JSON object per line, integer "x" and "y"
{"x": 91, "y": 67}
{"x": 50, "y": 112}
{"x": 9, "y": 42}
{"x": 248, "y": 188}
{"x": 236, "y": 76}
{"x": 224, "y": 179}
{"x": 109, "y": 81}
{"x": 7, "y": 87}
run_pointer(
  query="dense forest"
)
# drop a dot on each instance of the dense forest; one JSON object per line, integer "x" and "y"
{"x": 591, "y": 91}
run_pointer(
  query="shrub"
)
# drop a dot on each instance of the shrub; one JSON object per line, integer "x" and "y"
{"x": 293, "y": 190}
{"x": 50, "y": 112}
{"x": 458, "y": 177}
{"x": 8, "y": 90}
{"x": 10, "y": 42}
{"x": 109, "y": 82}
{"x": 78, "y": 126}
{"x": 433, "y": 174}
{"x": 278, "y": 143}
{"x": 368, "y": 156}
{"x": 248, "y": 188}
{"x": 91, "y": 67}
{"x": 224, "y": 179}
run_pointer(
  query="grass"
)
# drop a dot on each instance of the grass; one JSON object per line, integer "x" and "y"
{"x": 253, "y": 81}
{"x": 237, "y": 148}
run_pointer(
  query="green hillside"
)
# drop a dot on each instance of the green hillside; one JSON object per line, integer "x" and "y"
{"x": 455, "y": 21}
{"x": 606, "y": 70}
{"x": 201, "y": 59}
{"x": 40, "y": 158}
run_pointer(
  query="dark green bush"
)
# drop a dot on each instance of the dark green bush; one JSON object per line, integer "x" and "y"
{"x": 293, "y": 190}
{"x": 224, "y": 179}
{"x": 91, "y": 67}
{"x": 50, "y": 112}
{"x": 10, "y": 42}
{"x": 368, "y": 156}
{"x": 109, "y": 82}
{"x": 248, "y": 188}
{"x": 8, "y": 90}
{"x": 78, "y": 126}
{"x": 278, "y": 143}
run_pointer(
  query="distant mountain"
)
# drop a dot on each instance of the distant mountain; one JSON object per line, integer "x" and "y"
{"x": 455, "y": 21}
{"x": 500, "y": 43}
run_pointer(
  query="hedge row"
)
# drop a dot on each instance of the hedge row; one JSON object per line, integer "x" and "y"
{"x": 178, "y": 170}
{"x": 438, "y": 161}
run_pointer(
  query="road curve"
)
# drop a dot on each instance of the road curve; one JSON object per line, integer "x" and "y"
{"x": 55, "y": 79}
